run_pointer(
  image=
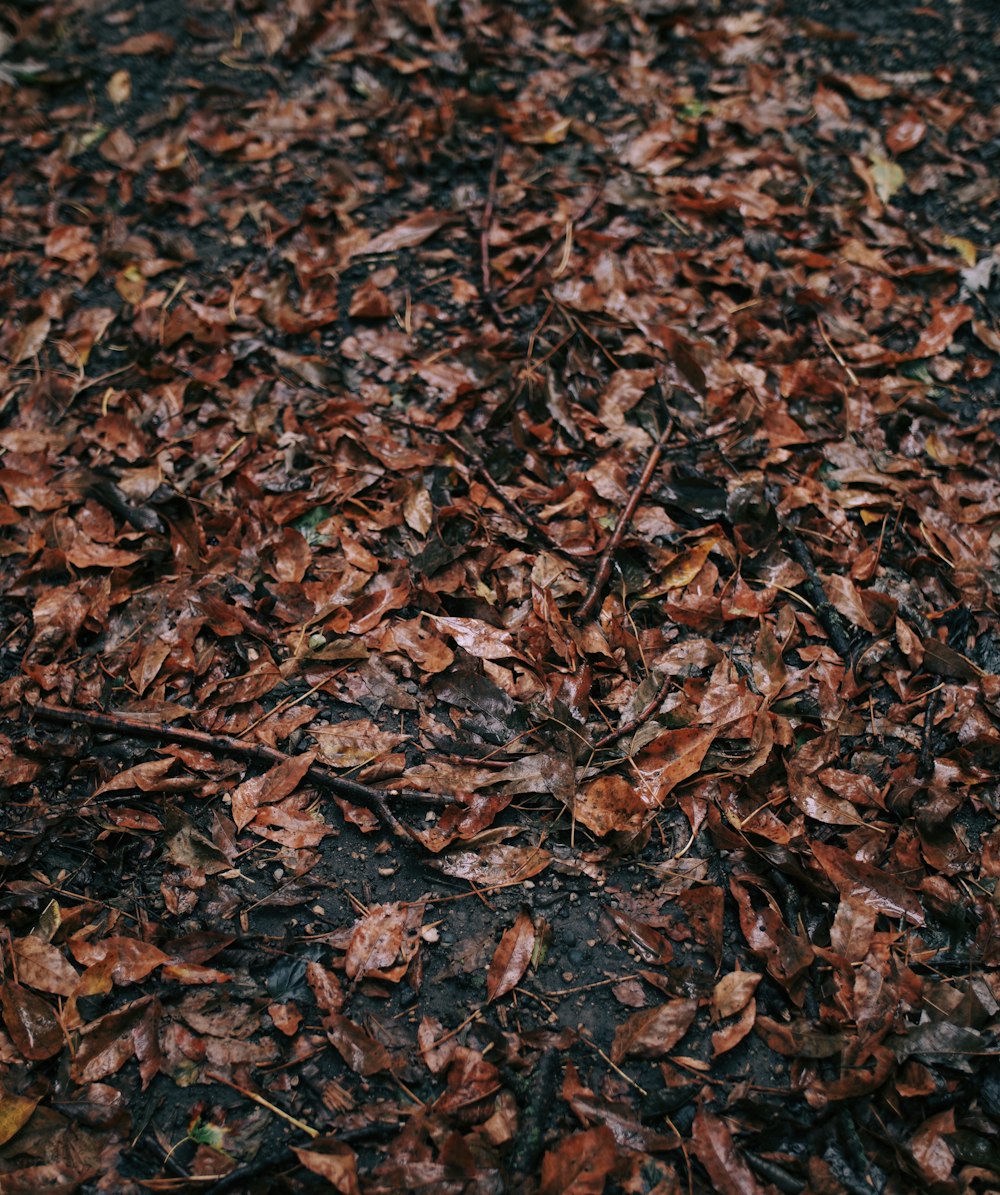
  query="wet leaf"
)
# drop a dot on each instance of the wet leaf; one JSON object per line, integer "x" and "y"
{"x": 31, "y": 1022}
{"x": 362, "y": 1053}
{"x": 888, "y": 177}
{"x": 714, "y": 1147}
{"x": 856, "y": 879}
{"x": 906, "y": 133}
{"x": 271, "y": 787}
{"x": 15, "y": 1112}
{"x": 512, "y": 957}
{"x": 144, "y": 43}
{"x": 940, "y": 332}
{"x": 653, "y": 1032}
{"x": 383, "y": 942}
{"x": 44, "y": 967}
{"x": 733, "y": 992}
{"x": 498, "y": 864}
{"x": 581, "y": 1164}
{"x": 333, "y": 1161}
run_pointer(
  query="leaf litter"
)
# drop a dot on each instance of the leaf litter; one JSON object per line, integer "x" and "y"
{"x": 498, "y": 570}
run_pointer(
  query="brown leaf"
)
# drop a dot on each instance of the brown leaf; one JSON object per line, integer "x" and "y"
{"x": 906, "y": 133}
{"x": 853, "y": 927}
{"x": 147, "y": 777}
{"x": 109, "y": 1042}
{"x": 383, "y": 942}
{"x": 332, "y": 1161}
{"x": 730, "y": 1036}
{"x": 864, "y": 87}
{"x": 617, "y": 1116}
{"x": 940, "y": 332}
{"x": 325, "y": 986}
{"x": 351, "y": 744}
{"x": 714, "y": 1147}
{"x": 281, "y": 781}
{"x": 800, "y": 1038}
{"x": 786, "y": 955}
{"x": 930, "y": 1148}
{"x": 854, "y": 878}
{"x": 42, "y": 966}
{"x": 368, "y": 302}
{"x": 291, "y": 823}
{"x": 124, "y": 960}
{"x": 31, "y": 1022}
{"x": 143, "y": 671}
{"x": 733, "y": 992}
{"x": 511, "y": 959}
{"x": 473, "y": 1083}
{"x": 646, "y": 940}
{"x": 580, "y": 1164}
{"x": 478, "y": 638}
{"x": 496, "y": 864}
{"x": 609, "y": 804}
{"x": 409, "y": 233}
{"x": 362, "y": 1053}
{"x": 653, "y": 1032}
{"x": 673, "y": 756}
{"x": 943, "y": 660}
{"x": 145, "y": 43}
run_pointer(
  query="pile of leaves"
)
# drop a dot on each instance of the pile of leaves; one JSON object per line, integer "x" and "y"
{"x": 499, "y": 656}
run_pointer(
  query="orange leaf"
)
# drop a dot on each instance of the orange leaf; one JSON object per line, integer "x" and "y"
{"x": 580, "y": 1164}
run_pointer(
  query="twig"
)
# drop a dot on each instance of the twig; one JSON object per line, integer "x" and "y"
{"x": 777, "y": 1175}
{"x": 604, "y": 565}
{"x": 259, "y": 1099}
{"x": 224, "y": 744}
{"x": 827, "y": 614}
{"x": 239, "y": 1179}
{"x": 546, "y": 249}
{"x": 645, "y": 713}
{"x": 489, "y": 298}
{"x": 478, "y": 466}
{"x": 925, "y": 767}
{"x": 532, "y": 524}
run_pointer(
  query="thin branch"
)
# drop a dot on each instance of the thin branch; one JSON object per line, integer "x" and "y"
{"x": 489, "y": 298}
{"x": 604, "y": 565}
{"x": 546, "y": 249}
{"x": 826, "y": 613}
{"x": 225, "y": 745}
{"x": 259, "y": 1099}
{"x": 532, "y": 524}
{"x": 644, "y": 715}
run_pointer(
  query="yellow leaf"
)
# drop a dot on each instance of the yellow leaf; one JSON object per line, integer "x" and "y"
{"x": 120, "y": 88}
{"x": 557, "y": 131}
{"x": 965, "y": 249}
{"x": 888, "y": 177}
{"x": 15, "y": 1112}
